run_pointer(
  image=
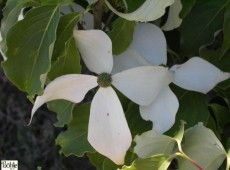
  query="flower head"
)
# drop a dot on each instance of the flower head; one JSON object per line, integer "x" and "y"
{"x": 149, "y": 48}
{"x": 108, "y": 131}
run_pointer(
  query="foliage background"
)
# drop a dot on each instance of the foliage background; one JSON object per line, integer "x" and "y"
{"x": 33, "y": 146}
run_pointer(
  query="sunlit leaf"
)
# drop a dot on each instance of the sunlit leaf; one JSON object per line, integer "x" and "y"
{"x": 202, "y": 146}
{"x": 30, "y": 46}
{"x": 157, "y": 162}
{"x": 152, "y": 143}
{"x": 180, "y": 134}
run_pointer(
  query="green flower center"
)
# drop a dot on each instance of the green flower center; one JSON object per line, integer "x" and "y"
{"x": 104, "y": 80}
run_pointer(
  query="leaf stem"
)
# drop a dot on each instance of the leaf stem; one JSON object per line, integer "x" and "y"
{"x": 97, "y": 13}
{"x": 183, "y": 155}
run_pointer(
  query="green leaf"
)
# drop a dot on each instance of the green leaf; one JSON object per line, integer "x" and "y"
{"x": 213, "y": 57}
{"x": 203, "y": 147}
{"x": 226, "y": 28}
{"x": 66, "y": 58}
{"x": 200, "y": 25}
{"x": 101, "y": 162}
{"x": 158, "y": 162}
{"x": 136, "y": 124}
{"x": 212, "y": 124}
{"x": 63, "y": 2}
{"x": 11, "y": 12}
{"x": 68, "y": 63}
{"x": 64, "y": 111}
{"x": 121, "y": 35}
{"x": 74, "y": 139}
{"x": 192, "y": 108}
{"x": 187, "y": 7}
{"x": 30, "y": 45}
{"x": 150, "y": 10}
{"x": 133, "y": 5}
{"x": 224, "y": 93}
{"x": 222, "y": 115}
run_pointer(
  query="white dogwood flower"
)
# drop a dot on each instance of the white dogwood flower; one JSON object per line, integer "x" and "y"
{"x": 149, "y": 48}
{"x": 108, "y": 131}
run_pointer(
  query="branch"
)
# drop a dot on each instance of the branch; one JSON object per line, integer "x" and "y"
{"x": 97, "y": 13}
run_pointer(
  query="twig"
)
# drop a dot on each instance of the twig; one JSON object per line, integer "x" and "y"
{"x": 97, "y": 13}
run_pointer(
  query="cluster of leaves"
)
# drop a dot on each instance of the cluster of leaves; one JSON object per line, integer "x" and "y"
{"x": 40, "y": 48}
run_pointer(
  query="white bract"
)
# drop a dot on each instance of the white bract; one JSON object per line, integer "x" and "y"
{"x": 173, "y": 20}
{"x": 198, "y": 75}
{"x": 150, "y": 10}
{"x": 149, "y": 48}
{"x": 108, "y": 131}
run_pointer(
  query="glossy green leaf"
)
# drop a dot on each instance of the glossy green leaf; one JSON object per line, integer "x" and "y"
{"x": 196, "y": 32}
{"x": 121, "y": 35}
{"x": 192, "y": 108}
{"x": 158, "y": 162}
{"x": 213, "y": 57}
{"x": 66, "y": 58}
{"x": 135, "y": 122}
{"x": 212, "y": 124}
{"x": 68, "y": 63}
{"x": 150, "y": 10}
{"x": 226, "y": 28}
{"x": 11, "y": 12}
{"x": 63, "y": 2}
{"x": 187, "y": 7}
{"x": 222, "y": 114}
{"x": 224, "y": 93}
{"x": 30, "y": 46}
{"x": 74, "y": 139}
{"x": 203, "y": 147}
{"x": 64, "y": 111}
{"x": 133, "y": 5}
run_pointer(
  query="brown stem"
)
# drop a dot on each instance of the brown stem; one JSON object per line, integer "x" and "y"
{"x": 97, "y": 13}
